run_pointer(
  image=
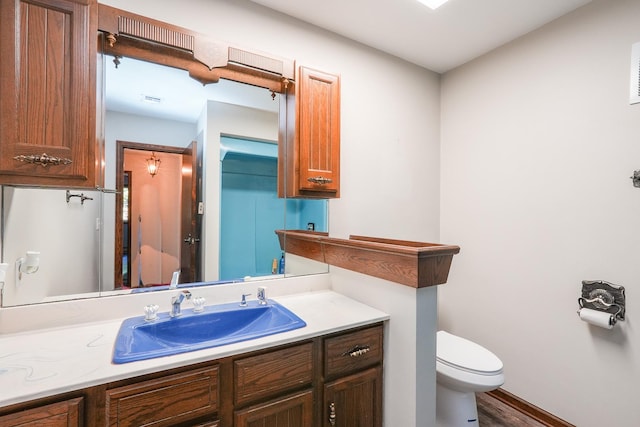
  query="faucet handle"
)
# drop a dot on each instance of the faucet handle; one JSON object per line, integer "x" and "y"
{"x": 198, "y": 304}
{"x": 262, "y": 295}
{"x": 243, "y": 303}
{"x": 151, "y": 312}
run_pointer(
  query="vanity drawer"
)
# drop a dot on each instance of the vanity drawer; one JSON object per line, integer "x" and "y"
{"x": 272, "y": 373}
{"x": 67, "y": 413}
{"x": 164, "y": 401}
{"x": 352, "y": 351}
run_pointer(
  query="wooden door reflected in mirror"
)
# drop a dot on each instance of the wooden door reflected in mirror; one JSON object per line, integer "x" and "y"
{"x": 157, "y": 225}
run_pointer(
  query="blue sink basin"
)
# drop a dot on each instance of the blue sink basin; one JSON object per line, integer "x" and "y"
{"x": 217, "y": 325}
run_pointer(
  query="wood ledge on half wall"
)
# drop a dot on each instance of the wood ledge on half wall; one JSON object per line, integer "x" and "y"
{"x": 414, "y": 264}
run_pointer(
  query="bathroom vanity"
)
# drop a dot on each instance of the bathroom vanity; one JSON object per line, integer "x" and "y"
{"x": 327, "y": 373}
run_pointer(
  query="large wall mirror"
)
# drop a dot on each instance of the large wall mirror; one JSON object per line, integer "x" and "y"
{"x": 189, "y": 187}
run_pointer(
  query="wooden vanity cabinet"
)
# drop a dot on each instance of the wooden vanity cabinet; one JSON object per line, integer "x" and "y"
{"x": 309, "y": 138}
{"x": 352, "y": 395}
{"x": 48, "y": 92}
{"x": 333, "y": 380}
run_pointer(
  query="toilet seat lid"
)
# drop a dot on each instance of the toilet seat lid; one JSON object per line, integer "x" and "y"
{"x": 461, "y": 353}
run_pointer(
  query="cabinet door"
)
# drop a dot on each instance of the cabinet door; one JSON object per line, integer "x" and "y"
{"x": 165, "y": 401}
{"x": 354, "y": 401}
{"x": 61, "y": 414}
{"x": 48, "y": 92}
{"x": 319, "y": 131}
{"x": 310, "y": 136}
{"x": 294, "y": 410}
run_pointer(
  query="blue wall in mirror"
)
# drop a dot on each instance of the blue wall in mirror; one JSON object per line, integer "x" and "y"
{"x": 248, "y": 243}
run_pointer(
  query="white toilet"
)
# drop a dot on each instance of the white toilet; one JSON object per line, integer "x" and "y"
{"x": 462, "y": 369}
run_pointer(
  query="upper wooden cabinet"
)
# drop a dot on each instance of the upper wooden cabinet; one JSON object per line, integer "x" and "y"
{"x": 310, "y": 136}
{"x": 48, "y": 92}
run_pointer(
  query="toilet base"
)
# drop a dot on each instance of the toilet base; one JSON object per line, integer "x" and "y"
{"x": 455, "y": 408}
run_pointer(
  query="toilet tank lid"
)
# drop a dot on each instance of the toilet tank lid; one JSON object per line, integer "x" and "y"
{"x": 459, "y": 352}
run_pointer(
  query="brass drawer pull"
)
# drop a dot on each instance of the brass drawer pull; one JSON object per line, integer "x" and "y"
{"x": 320, "y": 180}
{"x": 332, "y": 413}
{"x": 358, "y": 350}
{"x": 44, "y": 160}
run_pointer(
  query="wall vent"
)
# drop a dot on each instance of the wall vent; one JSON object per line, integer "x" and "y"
{"x": 634, "y": 95}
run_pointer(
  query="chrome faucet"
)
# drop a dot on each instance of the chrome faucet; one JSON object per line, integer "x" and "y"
{"x": 176, "y": 301}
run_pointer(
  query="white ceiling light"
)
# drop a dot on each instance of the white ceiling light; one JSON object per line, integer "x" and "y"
{"x": 433, "y": 4}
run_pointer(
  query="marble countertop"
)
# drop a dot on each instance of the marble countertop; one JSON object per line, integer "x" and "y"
{"x": 46, "y": 362}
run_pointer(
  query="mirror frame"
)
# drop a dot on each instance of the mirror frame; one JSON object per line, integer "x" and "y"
{"x": 127, "y": 34}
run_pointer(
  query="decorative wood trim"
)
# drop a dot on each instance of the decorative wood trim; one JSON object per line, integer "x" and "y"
{"x": 206, "y": 60}
{"x": 155, "y": 33}
{"x": 414, "y": 264}
{"x": 527, "y": 408}
{"x": 255, "y": 60}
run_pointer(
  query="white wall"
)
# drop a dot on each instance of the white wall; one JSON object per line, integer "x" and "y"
{"x": 538, "y": 144}
{"x": 390, "y": 169}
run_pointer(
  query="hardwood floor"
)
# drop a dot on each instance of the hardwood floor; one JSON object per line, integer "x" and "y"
{"x": 494, "y": 413}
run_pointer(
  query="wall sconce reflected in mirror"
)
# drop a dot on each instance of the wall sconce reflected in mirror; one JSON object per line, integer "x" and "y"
{"x": 28, "y": 265}
{"x": 153, "y": 164}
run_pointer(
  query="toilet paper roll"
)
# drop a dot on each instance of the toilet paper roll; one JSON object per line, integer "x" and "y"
{"x": 596, "y": 317}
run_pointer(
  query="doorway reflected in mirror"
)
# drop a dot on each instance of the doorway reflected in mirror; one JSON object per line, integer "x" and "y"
{"x": 157, "y": 226}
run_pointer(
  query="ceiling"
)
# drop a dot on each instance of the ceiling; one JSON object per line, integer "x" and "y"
{"x": 438, "y": 40}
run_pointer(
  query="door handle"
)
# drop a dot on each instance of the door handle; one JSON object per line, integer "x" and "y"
{"x": 190, "y": 240}
{"x": 332, "y": 413}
